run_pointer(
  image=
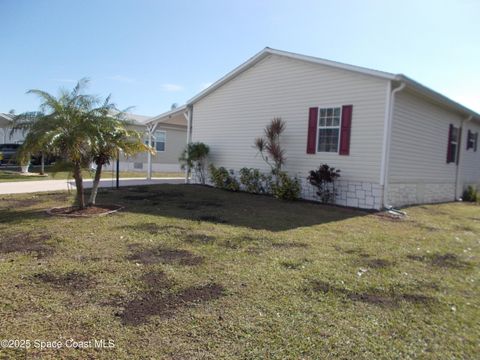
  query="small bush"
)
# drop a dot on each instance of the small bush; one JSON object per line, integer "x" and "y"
{"x": 285, "y": 187}
{"x": 194, "y": 157}
{"x": 254, "y": 181}
{"x": 470, "y": 194}
{"x": 324, "y": 180}
{"x": 223, "y": 179}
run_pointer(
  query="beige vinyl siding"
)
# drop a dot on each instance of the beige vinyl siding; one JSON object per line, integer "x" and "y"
{"x": 419, "y": 141}
{"x": 175, "y": 141}
{"x": 470, "y": 160}
{"x": 230, "y": 118}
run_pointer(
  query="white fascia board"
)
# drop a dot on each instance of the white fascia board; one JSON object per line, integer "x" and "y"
{"x": 166, "y": 115}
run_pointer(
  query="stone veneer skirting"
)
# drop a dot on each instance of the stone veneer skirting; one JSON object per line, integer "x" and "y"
{"x": 420, "y": 193}
{"x": 364, "y": 195}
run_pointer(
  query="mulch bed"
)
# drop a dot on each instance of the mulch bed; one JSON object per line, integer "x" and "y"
{"x": 75, "y": 211}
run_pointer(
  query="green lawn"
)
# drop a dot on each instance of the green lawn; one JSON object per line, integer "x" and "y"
{"x": 193, "y": 272}
{"x": 8, "y": 175}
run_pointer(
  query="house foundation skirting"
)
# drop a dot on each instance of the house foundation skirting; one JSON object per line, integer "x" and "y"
{"x": 420, "y": 193}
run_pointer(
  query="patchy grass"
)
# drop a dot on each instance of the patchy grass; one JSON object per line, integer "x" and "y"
{"x": 194, "y": 272}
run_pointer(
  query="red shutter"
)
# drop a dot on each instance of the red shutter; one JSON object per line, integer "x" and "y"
{"x": 345, "y": 130}
{"x": 449, "y": 145}
{"x": 312, "y": 130}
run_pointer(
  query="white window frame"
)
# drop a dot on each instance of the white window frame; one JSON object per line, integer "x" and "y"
{"x": 455, "y": 142}
{"x": 154, "y": 141}
{"x": 164, "y": 141}
{"x": 329, "y": 127}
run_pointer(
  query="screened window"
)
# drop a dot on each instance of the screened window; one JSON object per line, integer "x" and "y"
{"x": 472, "y": 140}
{"x": 453, "y": 150}
{"x": 160, "y": 137}
{"x": 328, "y": 129}
{"x": 158, "y": 141}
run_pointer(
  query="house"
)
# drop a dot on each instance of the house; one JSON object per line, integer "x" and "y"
{"x": 167, "y": 133}
{"x": 396, "y": 141}
{"x": 6, "y": 137}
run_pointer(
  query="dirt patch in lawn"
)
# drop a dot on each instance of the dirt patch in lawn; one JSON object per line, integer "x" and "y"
{"x": 289, "y": 245}
{"x": 375, "y": 263}
{"x": 157, "y": 280}
{"x": 447, "y": 260}
{"x": 154, "y": 303}
{"x": 372, "y": 296}
{"x": 154, "y": 228}
{"x": 26, "y": 242}
{"x": 163, "y": 255}
{"x": 75, "y": 211}
{"x": 355, "y": 251}
{"x": 71, "y": 281}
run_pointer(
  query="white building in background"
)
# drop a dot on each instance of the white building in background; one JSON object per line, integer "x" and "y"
{"x": 396, "y": 141}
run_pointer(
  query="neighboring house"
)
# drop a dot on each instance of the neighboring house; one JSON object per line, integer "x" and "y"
{"x": 5, "y": 129}
{"x": 168, "y": 133}
{"x": 396, "y": 141}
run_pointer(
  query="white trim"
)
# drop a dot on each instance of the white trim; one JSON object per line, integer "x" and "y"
{"x": 166, "y": 115}
{"x": 339, "y": 127}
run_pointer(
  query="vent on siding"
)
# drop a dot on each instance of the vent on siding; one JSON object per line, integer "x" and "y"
{"x": 138, "y": 165}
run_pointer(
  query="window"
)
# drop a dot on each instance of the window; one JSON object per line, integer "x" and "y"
{"x": 328, "y": 129}
{"x": 472, "y": 140}
{"x": 452, "y": 144}
{"x": 158, "y": 141}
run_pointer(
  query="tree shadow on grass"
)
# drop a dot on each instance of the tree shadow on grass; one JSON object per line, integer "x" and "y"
{"x": 206, "y": 204}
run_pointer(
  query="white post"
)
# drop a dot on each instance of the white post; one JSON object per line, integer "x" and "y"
{"x": 188, "y": 116}
{"x": 149, "y": 156}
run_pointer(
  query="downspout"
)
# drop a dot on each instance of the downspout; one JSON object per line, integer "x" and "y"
{"x": 387, "y": 141}
{"x": 459, "y": 158}
{"x": 189, "y": 116}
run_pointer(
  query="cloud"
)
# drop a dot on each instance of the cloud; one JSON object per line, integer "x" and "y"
{"x": 122, "y": 78}
{"x": 172, "y": 87}
{"x": 205, "y": 85}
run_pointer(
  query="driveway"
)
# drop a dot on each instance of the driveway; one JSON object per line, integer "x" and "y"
{"x": 21, "y": 187}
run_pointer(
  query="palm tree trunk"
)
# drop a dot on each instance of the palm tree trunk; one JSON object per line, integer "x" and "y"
{"x": 96, "y": 183}
{"x": 42, "y": 163}
{"x": 77, "y": 175}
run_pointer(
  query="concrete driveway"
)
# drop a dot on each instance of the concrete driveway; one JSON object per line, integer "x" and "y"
{"x": 21, "y": 187}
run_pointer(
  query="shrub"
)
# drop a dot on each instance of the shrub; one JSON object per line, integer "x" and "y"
{"x": 254, "y": 181}
{"x": 194, "y": 156}
{"x": 286, "y": 188}
{"x": 470, "y": 194}
{"x": 223, "y": 179}
{"x": 324, "y": 180}
{"x": 269, "y": 145}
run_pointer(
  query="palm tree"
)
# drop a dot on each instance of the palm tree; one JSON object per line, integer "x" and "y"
{"x": 112, "y": 136}
{"x": 74, "y": 127}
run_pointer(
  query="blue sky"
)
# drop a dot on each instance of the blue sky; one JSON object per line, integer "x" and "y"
{"x": 150, "y": 54}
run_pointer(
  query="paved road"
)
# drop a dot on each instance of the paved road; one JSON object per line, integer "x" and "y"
{"x": 21, "y": 187}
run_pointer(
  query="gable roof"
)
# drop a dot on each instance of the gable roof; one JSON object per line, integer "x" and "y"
{"x": 338, "y": 65}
